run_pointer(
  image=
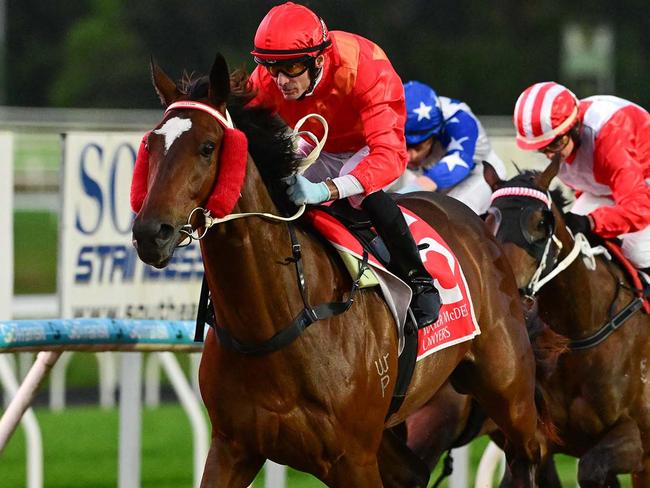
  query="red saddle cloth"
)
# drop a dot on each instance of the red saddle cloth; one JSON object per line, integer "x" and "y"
{"x": 630, "y": 270}
{"x": 457, "y": 322}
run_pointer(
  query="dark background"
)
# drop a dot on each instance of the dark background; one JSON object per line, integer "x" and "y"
{"x": 95, "y": 53}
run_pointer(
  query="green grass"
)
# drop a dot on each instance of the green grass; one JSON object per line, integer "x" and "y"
{"x": 80, "y": 450}
{"x": 37, "y": 152}
{"x": 35, "y": 252}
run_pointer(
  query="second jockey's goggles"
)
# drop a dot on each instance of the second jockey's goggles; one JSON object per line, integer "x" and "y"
{"x": 288, "y": 67}
{"x": 557, "y": 144}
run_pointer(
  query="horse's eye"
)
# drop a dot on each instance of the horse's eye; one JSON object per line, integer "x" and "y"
{"x": 206, "y": 149}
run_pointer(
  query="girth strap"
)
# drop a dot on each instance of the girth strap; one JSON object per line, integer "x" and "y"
{"x": 606, "y": 330}
{"x": 202, "y": 312}
{"x": 307, "y": 316}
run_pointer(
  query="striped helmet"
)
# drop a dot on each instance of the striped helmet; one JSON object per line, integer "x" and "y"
{"x": 543, "y": 112}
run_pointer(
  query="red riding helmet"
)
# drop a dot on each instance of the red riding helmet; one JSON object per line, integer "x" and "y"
{"x": 290, "y": 31}
{"x": 543, "y": 112}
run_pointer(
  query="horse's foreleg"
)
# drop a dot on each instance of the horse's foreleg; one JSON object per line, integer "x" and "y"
{"x": 229, "y": 467}
{"x": 503, "y": 382}
{"x": 641, "y": 479}
{"x": 434, "y": 427}
{"x": 399, "y": 466}
{"x": 360, "y": 471}
{"x": 619, "y": 451}
{"x": 547, "y": 476}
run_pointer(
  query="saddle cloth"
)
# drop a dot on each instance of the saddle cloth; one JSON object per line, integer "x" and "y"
{"x": 457, "y": 322}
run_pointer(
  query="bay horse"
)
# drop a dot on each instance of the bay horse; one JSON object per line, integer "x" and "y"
{"x": 317, "y": 404}
{"x": 599, "y": 395}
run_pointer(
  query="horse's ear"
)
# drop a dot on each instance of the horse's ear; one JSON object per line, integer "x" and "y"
{"x": 545, "y": 177}
{"x": 219, "y": 81}
{"x": 164, "y": 85}
{"x": 490, "y": 175}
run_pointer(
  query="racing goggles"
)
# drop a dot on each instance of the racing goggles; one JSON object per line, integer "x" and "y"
{"x": 291, "y": 68}
{"x": 557, "y": 144}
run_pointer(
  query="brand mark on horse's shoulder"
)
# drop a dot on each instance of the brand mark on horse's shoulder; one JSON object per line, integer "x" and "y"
{"x": 382, "y": 371}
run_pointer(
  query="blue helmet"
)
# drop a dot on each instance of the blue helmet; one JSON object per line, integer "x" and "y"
{"x": 423, "y": 113}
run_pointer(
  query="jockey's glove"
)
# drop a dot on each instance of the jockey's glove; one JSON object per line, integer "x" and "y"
{"x": 579, "y": 224}
{"x": 300, "y": 190}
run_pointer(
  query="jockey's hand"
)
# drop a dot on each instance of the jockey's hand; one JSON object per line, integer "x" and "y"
{"x": 426, "y": 183}
{"x": 300, "y": 190}
{"x": 581, "y": 224}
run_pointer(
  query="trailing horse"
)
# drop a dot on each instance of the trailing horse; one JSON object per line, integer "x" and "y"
{"x": 599, "y": 394}
{"x": 317, "y": 404}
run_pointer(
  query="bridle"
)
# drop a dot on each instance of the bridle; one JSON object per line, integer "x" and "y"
{"x": 547, "y": 251}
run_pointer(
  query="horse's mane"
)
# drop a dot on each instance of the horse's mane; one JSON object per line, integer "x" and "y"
{"x": 527, "y": 178}
{"x": 269, "y": 140}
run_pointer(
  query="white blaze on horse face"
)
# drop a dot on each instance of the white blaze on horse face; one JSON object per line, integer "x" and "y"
{"x": 173, "y": 129}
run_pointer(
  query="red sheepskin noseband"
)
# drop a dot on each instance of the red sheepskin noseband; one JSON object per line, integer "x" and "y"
{"x": 230, "y": 175}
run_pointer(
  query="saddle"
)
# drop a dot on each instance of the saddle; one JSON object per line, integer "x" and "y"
{"x": 360, "y": 226}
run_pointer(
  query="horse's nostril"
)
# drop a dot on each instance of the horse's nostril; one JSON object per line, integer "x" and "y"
{"x": 153, "y": 232}
{"x": 164, "y": 233}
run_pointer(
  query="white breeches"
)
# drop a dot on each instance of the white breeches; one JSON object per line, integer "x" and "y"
{"x": 474, "y": 191}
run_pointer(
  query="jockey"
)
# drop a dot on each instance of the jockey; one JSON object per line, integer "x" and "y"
{"x": 446, "y": 145}
{"x": 303, "y": 68}
{"x": 604, "y": 145}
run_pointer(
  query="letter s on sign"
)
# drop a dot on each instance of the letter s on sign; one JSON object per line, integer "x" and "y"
{"x": 91, "y": 188}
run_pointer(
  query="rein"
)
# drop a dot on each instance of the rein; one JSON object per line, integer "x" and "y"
{"x": 209, "y": 221}
{"x": 581, "y": 246}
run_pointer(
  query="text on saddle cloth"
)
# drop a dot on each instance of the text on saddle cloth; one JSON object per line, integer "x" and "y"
{"x": 457, "y": 322}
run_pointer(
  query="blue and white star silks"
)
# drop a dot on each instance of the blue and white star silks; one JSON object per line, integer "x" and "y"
{"x": 459, "y": 138}
{"x": 456, "y": 144}
{"x": 452, "y": 160}
{"x": 423, "y": 111}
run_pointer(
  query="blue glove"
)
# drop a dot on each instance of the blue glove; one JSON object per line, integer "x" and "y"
{"x": 301, "y": 190}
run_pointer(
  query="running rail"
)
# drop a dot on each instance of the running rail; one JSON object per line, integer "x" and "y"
{"x": 51, "y": 337}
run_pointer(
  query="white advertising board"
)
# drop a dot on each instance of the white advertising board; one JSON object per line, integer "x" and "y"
{"x": 100, "y": 274}
{"x": 6, "y": 224}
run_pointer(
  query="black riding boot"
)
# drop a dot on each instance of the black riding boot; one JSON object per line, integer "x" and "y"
{"x": 405, "y": 259}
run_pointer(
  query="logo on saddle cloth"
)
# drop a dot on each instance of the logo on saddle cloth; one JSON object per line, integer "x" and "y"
{"x": 457, "y": 322}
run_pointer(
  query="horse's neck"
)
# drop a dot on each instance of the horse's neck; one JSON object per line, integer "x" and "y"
{"x": 253, "y": 286}
{"x": 577, "y": 300}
